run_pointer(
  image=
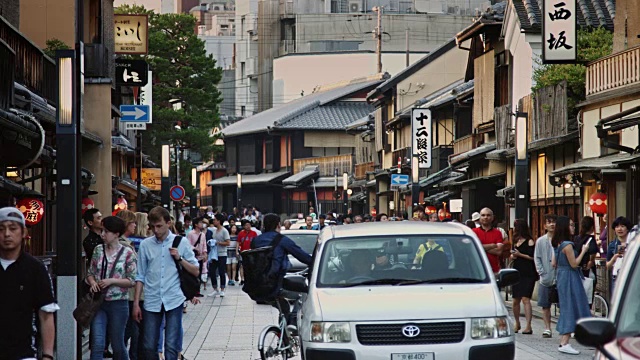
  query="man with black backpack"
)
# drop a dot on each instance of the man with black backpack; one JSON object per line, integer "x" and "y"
{"x": 280, "y": 247}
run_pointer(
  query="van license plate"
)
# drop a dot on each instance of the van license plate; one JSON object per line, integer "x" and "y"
{"x": 413, "y": 356}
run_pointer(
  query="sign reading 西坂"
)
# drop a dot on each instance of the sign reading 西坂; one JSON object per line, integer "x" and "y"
{"x": 421, "y": 137}
{"x": 560, "y": 40}
{"x": 131, "y": 72}
{"x": 131, "y": 33}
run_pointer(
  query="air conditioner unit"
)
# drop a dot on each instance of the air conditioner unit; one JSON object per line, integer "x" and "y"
{"x": 355, "y": 6}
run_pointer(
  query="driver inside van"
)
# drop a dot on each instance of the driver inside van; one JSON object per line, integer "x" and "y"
{"x": 358, "y": 265}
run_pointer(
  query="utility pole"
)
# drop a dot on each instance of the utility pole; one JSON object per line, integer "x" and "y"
{"x": 377, "y": 35}
{"x": 406, "y": 35}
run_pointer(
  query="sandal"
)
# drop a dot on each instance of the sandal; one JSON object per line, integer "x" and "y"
{"x": 527, "y": 332}
{"x": 546, "y": 334}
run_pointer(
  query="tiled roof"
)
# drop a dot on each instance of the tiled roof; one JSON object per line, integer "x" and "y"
{"x": 329, "y": 117}
{"x": 590, "y": 13}
{"x": 261, "y": 122}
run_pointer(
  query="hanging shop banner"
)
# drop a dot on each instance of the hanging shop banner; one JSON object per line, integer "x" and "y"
{"x": 560, "y": 41}
{"x": 421, "y": 133}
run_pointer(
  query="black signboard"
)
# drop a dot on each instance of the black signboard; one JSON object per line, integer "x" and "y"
{"x": 132, "y": 72}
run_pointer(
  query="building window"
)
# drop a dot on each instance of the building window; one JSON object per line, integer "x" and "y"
{"x": 243, "y": 111}
{"x": 501, "y": 96}
{"x": 242, "y": 28}
{"x": 243, "y": 74}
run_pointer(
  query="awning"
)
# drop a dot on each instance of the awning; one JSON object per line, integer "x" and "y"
{"x": 439, "y": 197}
{"x": 619, "y": 121}
{"x": 504, "y": 191}
{"x": 130, "y": 185}
{"x": 358, "y": 184}
{"x": 469, "y": 155}
{"x": 501, "y": 154}
{"x": 481, "y": 178}
{"x": 552, "y": 141}
{"x": 358, "y": 197}
{"x": 599, "y": 164}
{"x": 308, "y": 172}
{"x": 257, "y": 179}
{"x": 327, "y": 182}
{"x": 453, "y": 176}
{"x": 360, "y": 124}
{"x": 371, "y": 183}
{"x": 435, "y": 178}
{"x": 16, "y": 189}
{"x": 21, "y": 139}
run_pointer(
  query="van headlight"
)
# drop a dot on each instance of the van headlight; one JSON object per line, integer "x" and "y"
{"x": 330, "y": 332}
{"x": 490, "y": 328}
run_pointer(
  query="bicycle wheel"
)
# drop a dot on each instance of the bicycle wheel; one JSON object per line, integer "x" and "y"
{"x": 268, "y": 344}
{"x": 599, "y": 308}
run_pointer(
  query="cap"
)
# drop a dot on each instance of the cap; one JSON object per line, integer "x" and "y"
{"x": 381, "y": 252}
{"x": 11, "y": 214}
{"x": 475, "y": 216}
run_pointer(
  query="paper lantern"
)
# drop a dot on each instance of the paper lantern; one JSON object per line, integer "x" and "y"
{"x": 374, "y": 212}
{"x": 87, "y": 204}
{"x": 443, "y": 214}
{"x": 121, "y": 204}
{"x": 430, "y": 210}
{"x": 598, "y": 203}
{"x": 32, "y": 209}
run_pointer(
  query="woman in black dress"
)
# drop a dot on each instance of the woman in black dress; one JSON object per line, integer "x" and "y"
{"x": 522, "y": 256}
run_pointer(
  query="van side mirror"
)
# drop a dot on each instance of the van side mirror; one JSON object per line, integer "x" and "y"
{"x": 595, "y": 332}
{"x": 508, "y": 277}
{"x": 295, "y": 283}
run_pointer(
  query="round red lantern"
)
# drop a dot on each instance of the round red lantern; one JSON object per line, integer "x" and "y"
{"x": 121, "y": 204}
{"x": 428, "y": 210}
{"x": 32, "y": 209}
{"x": 443, "y": 214}
{"x": 598, "y": 203}
{"x": 374, "y": 212}
{"x": 87, "y": 204}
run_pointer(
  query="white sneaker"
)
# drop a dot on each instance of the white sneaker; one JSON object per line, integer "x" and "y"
{"x": 212, "y": 294}
{"x": 222, "y": 293}
{"x": 568, "y": 349}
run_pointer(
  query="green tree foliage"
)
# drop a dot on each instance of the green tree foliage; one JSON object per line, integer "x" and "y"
{"x": 182, "y": 74}
{"x": 53, "y": 45}
{"x": 592, "y": 45}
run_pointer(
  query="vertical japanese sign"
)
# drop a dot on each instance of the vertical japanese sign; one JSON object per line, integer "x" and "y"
{"x": 131, "y": 34}
{"x": 146, "y": 96}
{"x": 421, "y": 135}
{"x": 560, "y": 41}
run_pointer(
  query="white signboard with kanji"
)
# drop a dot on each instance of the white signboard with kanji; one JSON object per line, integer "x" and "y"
{"x": 421, "y": 134}
{"x": 146, "y": 96}
{"x": 560, "y": 41}
{"x": 131, "y": 33}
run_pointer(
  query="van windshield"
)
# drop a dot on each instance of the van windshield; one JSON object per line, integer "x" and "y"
{"x": 401, "y": 260}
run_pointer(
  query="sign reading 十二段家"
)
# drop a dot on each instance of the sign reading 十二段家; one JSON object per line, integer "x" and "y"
{"x": 560, "y": 41}
{"x": 421, "y": 134}
{"x": 131, "y": 33}
{"x": 151, "y": 178}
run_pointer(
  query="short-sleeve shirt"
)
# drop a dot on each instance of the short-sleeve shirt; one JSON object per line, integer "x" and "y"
{"x": 125, "y": 268}
{"x": 193, "y": 240}
{"x": 218, "y": 237}
{"x": 26, "y": 287}
{"x": 244, "y": 239}
{"x": 491, "y": 236}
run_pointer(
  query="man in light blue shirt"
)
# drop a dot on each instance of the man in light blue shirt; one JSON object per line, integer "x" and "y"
{"x": 158, "y": 275}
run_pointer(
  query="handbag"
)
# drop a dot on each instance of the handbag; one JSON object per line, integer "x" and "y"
{"x": 587, "y": 283}
{"x": 554, "y": 298}
{"x": 189, "y": 284}
{"x": 90, "y": 302}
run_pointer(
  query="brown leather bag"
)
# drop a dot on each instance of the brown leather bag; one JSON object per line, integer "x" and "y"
{"x": 90, "y": 303}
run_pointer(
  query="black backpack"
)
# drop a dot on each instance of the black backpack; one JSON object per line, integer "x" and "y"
{"x": 256, "y": 263}
{"x": 189, "y": 284}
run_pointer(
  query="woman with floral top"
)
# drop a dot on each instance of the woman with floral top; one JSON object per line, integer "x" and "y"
{"x": 114, "y": 311}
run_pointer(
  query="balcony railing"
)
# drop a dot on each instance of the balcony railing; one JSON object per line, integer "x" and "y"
{"x": 614, "y": 71}
{"x": 327, "y": 164}
{"x": 403, "y": 153}
{"x": 465, "y": 144}
{"x": 362, "y": 169}
{"x": 32, "y": 68}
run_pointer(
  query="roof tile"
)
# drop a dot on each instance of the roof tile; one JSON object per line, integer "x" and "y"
{"x": 590, "y": 13}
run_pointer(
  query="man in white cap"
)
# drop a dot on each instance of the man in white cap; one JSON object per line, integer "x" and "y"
{"x": 27, "y": 294}
{"x": 475, "y": 217}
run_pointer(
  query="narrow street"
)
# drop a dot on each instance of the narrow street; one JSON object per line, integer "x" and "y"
{"x": 228, "y": 328}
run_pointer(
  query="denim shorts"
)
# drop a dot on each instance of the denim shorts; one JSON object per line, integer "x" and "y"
{"x": 543, "y": 297}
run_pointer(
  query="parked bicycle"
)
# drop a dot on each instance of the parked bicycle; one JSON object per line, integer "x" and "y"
{"x": 599, "y": 307}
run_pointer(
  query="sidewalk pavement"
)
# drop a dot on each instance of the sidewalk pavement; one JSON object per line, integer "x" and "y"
{"x": 536, "y": 310}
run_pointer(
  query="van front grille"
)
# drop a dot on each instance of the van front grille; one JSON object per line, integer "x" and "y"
{"x": 392, "y": 334}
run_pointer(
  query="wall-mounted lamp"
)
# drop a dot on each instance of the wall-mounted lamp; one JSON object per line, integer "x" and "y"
{"x": 194, "y": 177}
{"x": 345, "y": 181}
{"x": 166, "y": 160}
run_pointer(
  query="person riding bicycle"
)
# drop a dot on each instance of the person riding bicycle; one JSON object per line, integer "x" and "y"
{"x": 280, "y": 263}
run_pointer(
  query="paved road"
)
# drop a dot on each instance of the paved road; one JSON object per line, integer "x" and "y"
{"x": 228, "y": 328}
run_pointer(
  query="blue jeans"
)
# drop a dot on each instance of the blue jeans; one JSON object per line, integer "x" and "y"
{"x": 161, "y": 339}
{"x": 112, "y": 315}
{"x": 151, "y": 322}
{"x": 132, "y": 335}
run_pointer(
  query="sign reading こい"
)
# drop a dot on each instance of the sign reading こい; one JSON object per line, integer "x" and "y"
{"x": 131, "y": 33}
{"x": 151, "y": 178}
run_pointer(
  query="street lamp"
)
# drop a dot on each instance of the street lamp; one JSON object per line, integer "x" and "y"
{"x": 415, "y": 183}
{"x": 239, "y": 193}
{"x": 194, "y": 196}
{"x": 166, "y": 182}
{"x": 68, "y": 188}
{"x": 521, "y": 166}
{"x": 345, "y": 195}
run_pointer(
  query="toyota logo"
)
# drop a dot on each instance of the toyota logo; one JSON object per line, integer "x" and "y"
{"x": 410, "y": 331}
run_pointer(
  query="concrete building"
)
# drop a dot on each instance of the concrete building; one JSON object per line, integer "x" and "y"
{"x": 247, "y": 58}
{"x": 221, "y": 47}
{"x": 215, "y": 18}
{"x": 155, "y": 5}
{"x": 292, "y": 77}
